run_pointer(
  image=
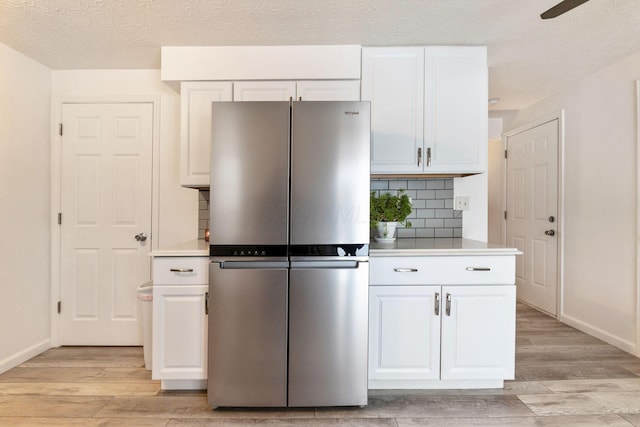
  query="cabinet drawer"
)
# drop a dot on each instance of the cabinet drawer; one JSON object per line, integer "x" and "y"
{"x": 443, "y": 270}
{"x": 181, "y": 270}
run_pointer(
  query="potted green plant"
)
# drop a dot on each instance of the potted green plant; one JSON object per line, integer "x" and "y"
{"x": 387, "y": 210}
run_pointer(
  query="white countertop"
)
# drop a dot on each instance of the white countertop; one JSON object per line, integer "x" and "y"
{"x": 189, "y": 248}
{"x": 438, "y": 246}
{"x": 401, "y": 247}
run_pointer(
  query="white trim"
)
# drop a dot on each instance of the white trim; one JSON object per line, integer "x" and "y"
{"x": 435, "y": 384}
{"x": 559, "y": 116}
{"x": 56, "y": 191}
{"x": 24, "y": 355}
{"x": 587, "y": 328}
{"x": 637, "y": 310}
{"x": 183, "y": 385}
{"x": 308, "y": 62}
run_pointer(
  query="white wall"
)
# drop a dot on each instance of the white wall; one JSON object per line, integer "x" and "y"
{"x": 27, "y": 92}
{"x": 25, "y": 88}
{"x": 474, "y": 220}
{"x": 600, "y": 292}
{"x": 178, "y": 206}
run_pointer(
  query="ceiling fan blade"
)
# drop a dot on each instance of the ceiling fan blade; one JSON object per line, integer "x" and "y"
{"x": 562, "y": 7}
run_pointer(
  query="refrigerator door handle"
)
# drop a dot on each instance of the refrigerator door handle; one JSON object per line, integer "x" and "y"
{"x": 326, "y": 264}
{"x": 253, "y": 265}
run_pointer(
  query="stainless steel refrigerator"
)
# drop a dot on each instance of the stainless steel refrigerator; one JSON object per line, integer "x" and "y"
{"x": 288, "y": 282}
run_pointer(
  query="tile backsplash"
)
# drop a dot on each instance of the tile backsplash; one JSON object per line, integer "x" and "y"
{"x": 203, "y": 212}
{"x": 433, "y": 214}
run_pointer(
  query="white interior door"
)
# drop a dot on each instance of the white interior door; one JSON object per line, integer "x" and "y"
{"x": 105, "y": 202}
{"x": 532, "y": 212}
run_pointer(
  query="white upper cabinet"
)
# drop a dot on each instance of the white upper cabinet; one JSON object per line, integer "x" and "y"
{"x": 429, "y": 109}
{"x": 328, "y": 90}
{"x": 196, "y": 112}
{"x": 264, "y": 91}
{"x": 306, "y": 90}
{"x": 455, "y": 114}
{"x": 195, "y": 138}
{"x": 393, "y": 80}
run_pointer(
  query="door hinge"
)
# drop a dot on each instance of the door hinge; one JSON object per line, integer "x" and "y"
{"x": 59, "y": 307}
{"x": 505, "y": 214}
{"x": 60, "y": 129}
{"x": 59, "y": 218}
{"x": 505, "y": 153}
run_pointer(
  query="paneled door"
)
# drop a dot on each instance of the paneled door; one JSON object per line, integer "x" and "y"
{"x": 532, "y": 212}
{"x": 106, "y": 220}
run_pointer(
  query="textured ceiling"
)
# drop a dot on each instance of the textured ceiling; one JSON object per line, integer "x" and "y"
{"x": 528, "y": 58}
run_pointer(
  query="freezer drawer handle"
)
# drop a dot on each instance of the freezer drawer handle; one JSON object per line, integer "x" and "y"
{"x": 253, "y": 265}
{"x": 325, "y": 264}
{"x": 405, "y": 270}
{"x": 478, "y": 269}
{"x": 181, "y": 270}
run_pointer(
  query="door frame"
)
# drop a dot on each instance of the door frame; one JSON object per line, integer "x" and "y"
{"x": 559, "y": 116}
{"x": 56, "y": 190}
{"x": 637, "y": 347}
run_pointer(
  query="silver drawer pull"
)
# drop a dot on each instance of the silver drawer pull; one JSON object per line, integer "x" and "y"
{"x": 478, "y": 269}
{"x": 405, "y": 270}
{"x": 182, "y": 270}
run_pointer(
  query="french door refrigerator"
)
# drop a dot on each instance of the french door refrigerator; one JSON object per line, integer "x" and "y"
{"x": 288, "y": 282}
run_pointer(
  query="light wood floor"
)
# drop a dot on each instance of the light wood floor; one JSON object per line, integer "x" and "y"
{"x": 563, "y": 377}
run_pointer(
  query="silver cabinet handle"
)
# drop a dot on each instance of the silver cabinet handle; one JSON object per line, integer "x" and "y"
{"x": 448, "y": 309}
{"x": 405, "y": 270}
{"x": 419, "y": 156}
{"x": 181, "y": 270}
{"x": 429, "y": 157}
{"x": 437, "y": 304}
{"x": 478, "y": 269}
{"x": 206, "y": 303}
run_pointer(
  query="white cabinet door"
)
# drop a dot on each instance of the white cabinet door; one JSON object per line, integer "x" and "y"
{"x": 195, "y": 141}
{"x": 393, "y": 80}
{"x": 455, "y": 114}
{"x": 179, "y": 332}
{"x": 478, "y": 332}
{"x": 404, "y": 332}
{"x": 328, "y": 90}
{"x": 429, "y": 108}
{"x": 264, "y": 90}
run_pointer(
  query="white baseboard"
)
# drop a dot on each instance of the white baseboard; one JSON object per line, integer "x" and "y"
{"x": 183, "y": 384}
{"x": 24, "y": 355}
{"x": 434, "y": 384}
{"x": 628, "y": 346}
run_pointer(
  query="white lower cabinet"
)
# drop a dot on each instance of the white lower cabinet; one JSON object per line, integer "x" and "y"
{"x": 478, "y": 332}
{"x": 438, "y": 336}
{"x": 180, "y": 322}
{"x": 404, "y": 333}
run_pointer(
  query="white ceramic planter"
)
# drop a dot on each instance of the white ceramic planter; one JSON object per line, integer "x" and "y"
{"x": 386, "y": 230}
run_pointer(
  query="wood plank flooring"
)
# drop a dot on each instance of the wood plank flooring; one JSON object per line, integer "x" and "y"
{"x": 563, "y": 378}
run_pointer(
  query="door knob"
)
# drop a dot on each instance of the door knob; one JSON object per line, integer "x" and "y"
{"x": 140, "y": 237}
{"x": 550, "y": 232}
{"x": 552, "y": 219}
